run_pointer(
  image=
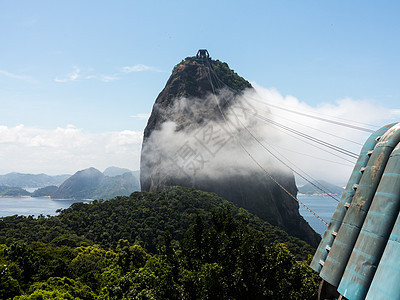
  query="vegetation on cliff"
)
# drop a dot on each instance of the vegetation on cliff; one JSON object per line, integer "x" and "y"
{"x": 226, "y": 74}
{"x": 229, "y": 77}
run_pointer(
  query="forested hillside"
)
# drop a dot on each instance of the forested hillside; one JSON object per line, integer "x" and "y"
{"x": 178, "y": 244}
{"x": 142, "y": 217}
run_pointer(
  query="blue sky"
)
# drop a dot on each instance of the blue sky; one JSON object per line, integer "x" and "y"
{"x": 92, "y": 69}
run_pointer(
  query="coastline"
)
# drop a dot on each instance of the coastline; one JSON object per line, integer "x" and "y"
{"x": 49, "y": 197}
{"x": 35, "y": 206}
{"x": 319, "y": 195}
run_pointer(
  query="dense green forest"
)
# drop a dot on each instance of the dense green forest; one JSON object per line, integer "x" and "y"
{"x": 176, "y": 244}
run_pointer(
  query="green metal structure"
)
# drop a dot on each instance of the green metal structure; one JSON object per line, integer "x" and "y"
{"x": 359, "y": 254}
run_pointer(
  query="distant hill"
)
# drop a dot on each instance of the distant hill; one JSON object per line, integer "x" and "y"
{"x": 93, "y": 184}
{"x": 7, "y": 191}
{"x": 85, "y": 184}
{"x": 121, "y": 185}
{"x": 115, "y": 171}
{"x": 46, "y": 191}
{"x": 309, "y": 189}
{"x": 136, "y": 173}
{"x": 31, "y": 180}
{"x": 81, "y": 185}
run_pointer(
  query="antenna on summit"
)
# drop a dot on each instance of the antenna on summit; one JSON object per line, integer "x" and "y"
{"x": 203, "y": 53}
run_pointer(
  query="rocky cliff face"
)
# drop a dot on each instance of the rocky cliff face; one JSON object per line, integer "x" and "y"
{"x": 198, "y": 136}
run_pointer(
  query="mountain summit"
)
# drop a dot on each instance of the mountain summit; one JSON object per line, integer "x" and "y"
{"x": 198, "y": 136}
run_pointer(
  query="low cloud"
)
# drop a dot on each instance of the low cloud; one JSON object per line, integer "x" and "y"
{"x": 205, "y": 144}
{"x": 310, "y": 158}
{"x": 271, "y": 129}
{"x": 66, "y": 149}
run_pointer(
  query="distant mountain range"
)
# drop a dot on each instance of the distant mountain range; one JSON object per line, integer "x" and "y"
{"x": 84, "y": 184}
{"x": 31, "y": 180}
{"x": 310, "y": 189}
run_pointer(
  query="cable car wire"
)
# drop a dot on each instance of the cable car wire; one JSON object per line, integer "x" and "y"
{"x": 251, "y": 156}
{"x": 324, "y": 189}
{"x": 311, "y": 116}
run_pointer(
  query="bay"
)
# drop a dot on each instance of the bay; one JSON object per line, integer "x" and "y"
{"x": 34, "y": 206}
{"x": 323, "y": 206}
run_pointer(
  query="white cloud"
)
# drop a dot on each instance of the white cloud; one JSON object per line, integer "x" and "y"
{"x": 108, "y": 78}
{"x": 104, "y": 78}
{"x": 395, "y": 113}
{"x": 66, "y": 149}
{"x": 15, "y": 76}
{"x": 359, "y": 113}
{"x": 138, "y": 68}
{"x": 70, "y": 77}
{"x": 77, "y": 74}
{"x": 141, "y": 116}
{"x": 277, "y": 130}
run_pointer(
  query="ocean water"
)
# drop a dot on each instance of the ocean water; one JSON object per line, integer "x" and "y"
{"x": 323, "y": 206}
{"x": 26, "y": 206}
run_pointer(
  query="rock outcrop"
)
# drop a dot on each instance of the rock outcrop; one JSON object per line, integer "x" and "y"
{"x": 196, "y": 137}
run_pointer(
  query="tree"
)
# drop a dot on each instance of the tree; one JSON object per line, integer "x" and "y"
{"x": 130, "y": 257}
{"x": 9, "y": 287}
{"x": 89, "y": 263}
{"x": 59, "y": 288}
{"x": 26, "y": 259}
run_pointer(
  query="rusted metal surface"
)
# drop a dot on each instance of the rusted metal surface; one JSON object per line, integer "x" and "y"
{"x": 374, "y": 233}
{"x": 353, "y": 220}
{"x": 337, "y": 218}
{"x": 386, "y": 282}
